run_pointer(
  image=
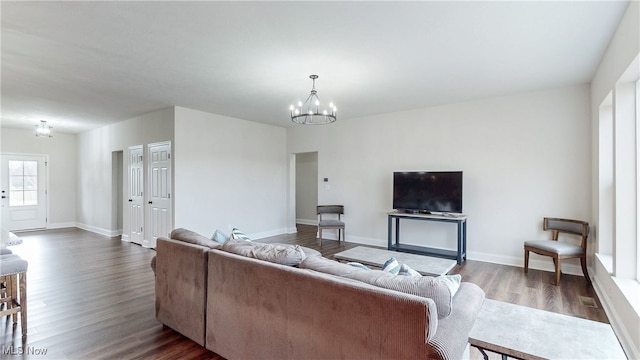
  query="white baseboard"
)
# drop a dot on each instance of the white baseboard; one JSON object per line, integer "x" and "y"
{"x": 536, "y": 262}
{"x": 125, "y": 238}
{"x": 619, "y": 300}
{"x": 625, "y": 339}
{"x": 307, "y": 222}
{"x": 61, "y": 225}
{"x": 101, "y": 231}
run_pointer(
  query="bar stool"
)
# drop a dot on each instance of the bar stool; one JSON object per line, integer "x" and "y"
{"x": 13, "y": 273}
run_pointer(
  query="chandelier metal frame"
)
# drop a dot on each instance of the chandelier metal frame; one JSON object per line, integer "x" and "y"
{"x": 309, "y": 113}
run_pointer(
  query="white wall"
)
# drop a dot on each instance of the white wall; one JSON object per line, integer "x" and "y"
{"x": 524, "y": 157}
{"x": 307, "y": 188}
{"x": 61, "y": 151}
{"x": 94, "y": 154}
{"x": 229, "y": 173}
{"x": 619, "y": 296}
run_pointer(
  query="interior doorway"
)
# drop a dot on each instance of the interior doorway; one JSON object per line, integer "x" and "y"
{"x": 306, "y": 188}
{"x": 117, "y": 191}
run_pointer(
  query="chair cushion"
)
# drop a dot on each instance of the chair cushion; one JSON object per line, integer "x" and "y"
{"x": 12, "y": 264}
{"x": 556, "y": 247}
{"x": 330, "y": 223}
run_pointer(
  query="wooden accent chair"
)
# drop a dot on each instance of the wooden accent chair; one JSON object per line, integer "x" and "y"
{"x": 13, "y": 275}
{"x": 332, "y": 223}
{"x": 560, "y": 250}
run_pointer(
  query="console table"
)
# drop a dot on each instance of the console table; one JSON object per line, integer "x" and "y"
{"x": 394, "y": 244}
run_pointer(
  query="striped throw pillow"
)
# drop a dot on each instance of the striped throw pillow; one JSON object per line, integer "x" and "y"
{"x": 407, "y": 271}
{"x": 391, "y": 266}
{"x": 239, "y": 235}
{"x": 358, "y": 265}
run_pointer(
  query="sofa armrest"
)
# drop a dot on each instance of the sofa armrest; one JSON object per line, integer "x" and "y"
{"x": 181, "y": 293}
{"x": 452, "y": 336}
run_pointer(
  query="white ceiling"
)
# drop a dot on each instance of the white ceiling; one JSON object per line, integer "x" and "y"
{"x": 80, "y": 65}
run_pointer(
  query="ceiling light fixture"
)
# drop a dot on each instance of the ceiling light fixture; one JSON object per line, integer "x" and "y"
{"x": 309, "y": 113}
{"x": 43, "y": 129}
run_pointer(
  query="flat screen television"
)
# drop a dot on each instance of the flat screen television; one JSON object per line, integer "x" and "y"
{"x": 427, "y": 191}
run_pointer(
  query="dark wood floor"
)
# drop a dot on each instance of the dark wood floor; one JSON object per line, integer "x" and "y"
{"x": 92, "y": 297}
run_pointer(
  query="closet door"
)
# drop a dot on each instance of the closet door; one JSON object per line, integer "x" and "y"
{"x": 159, "y": 195}
{"x": 136, "y": 194}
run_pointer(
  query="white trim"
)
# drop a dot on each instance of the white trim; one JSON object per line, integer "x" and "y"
{"x": 615, "y": 318}
{"x": 46, "y": 183}
{"x": 544, "y": 263}
{"x": 307, "y": 222}
{"x": 125, "y": 238}
{"x": 61, "y": 225}
{"x": 97, "y": 230}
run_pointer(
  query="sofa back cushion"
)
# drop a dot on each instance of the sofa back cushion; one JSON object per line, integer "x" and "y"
{"x": 261, "y": 310}
{"x": 193, "y": 237}
{"x": 291, "y": 255}
{"x": 425, "y": 286}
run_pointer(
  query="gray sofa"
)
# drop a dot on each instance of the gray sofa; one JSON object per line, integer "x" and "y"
{"x": 240, "y": 306}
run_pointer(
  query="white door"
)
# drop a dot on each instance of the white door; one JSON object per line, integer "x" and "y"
{"x": 159, "y": 194}
{"x": 24, "y": 192}
{"x": 136, "y": 194}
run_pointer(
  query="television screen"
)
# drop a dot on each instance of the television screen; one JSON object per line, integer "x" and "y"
{"x": 428, "y": 191}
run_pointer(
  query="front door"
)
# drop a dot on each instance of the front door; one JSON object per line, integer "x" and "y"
{"x": 136, "y": 194}
{"x": 24, "y": 192}
{"x": 159, "y": 195}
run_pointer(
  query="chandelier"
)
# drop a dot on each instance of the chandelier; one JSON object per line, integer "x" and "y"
{"x": 43, "y": 129}
{"x": 309, "y": 113}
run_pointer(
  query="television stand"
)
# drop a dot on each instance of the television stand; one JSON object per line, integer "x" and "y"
{"x": 394, "y": 244}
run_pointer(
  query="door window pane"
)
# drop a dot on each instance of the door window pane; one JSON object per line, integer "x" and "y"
{"x": 23, "y": 183}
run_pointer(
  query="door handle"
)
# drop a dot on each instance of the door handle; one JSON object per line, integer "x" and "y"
{"x": 130, "y": 200}
{"x": 150, "y": 202}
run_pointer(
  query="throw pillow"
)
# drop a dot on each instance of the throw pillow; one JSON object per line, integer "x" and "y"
{"x": 220, "y": 237}
{"x": 407, "y": 271}
{"x": 451, "y": 281}
{"x": 239, "y": 235}
{"x": 358, "y": 265}
{"x": 391, "y": 266}
{"x": 192, "y": 237}
{"x": 291, "y": 255}
{"x": 425, "y": 286}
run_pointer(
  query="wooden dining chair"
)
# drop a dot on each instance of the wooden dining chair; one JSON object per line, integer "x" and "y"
{"x": 334, "y": 222}
{"x": 560, "y": 250}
